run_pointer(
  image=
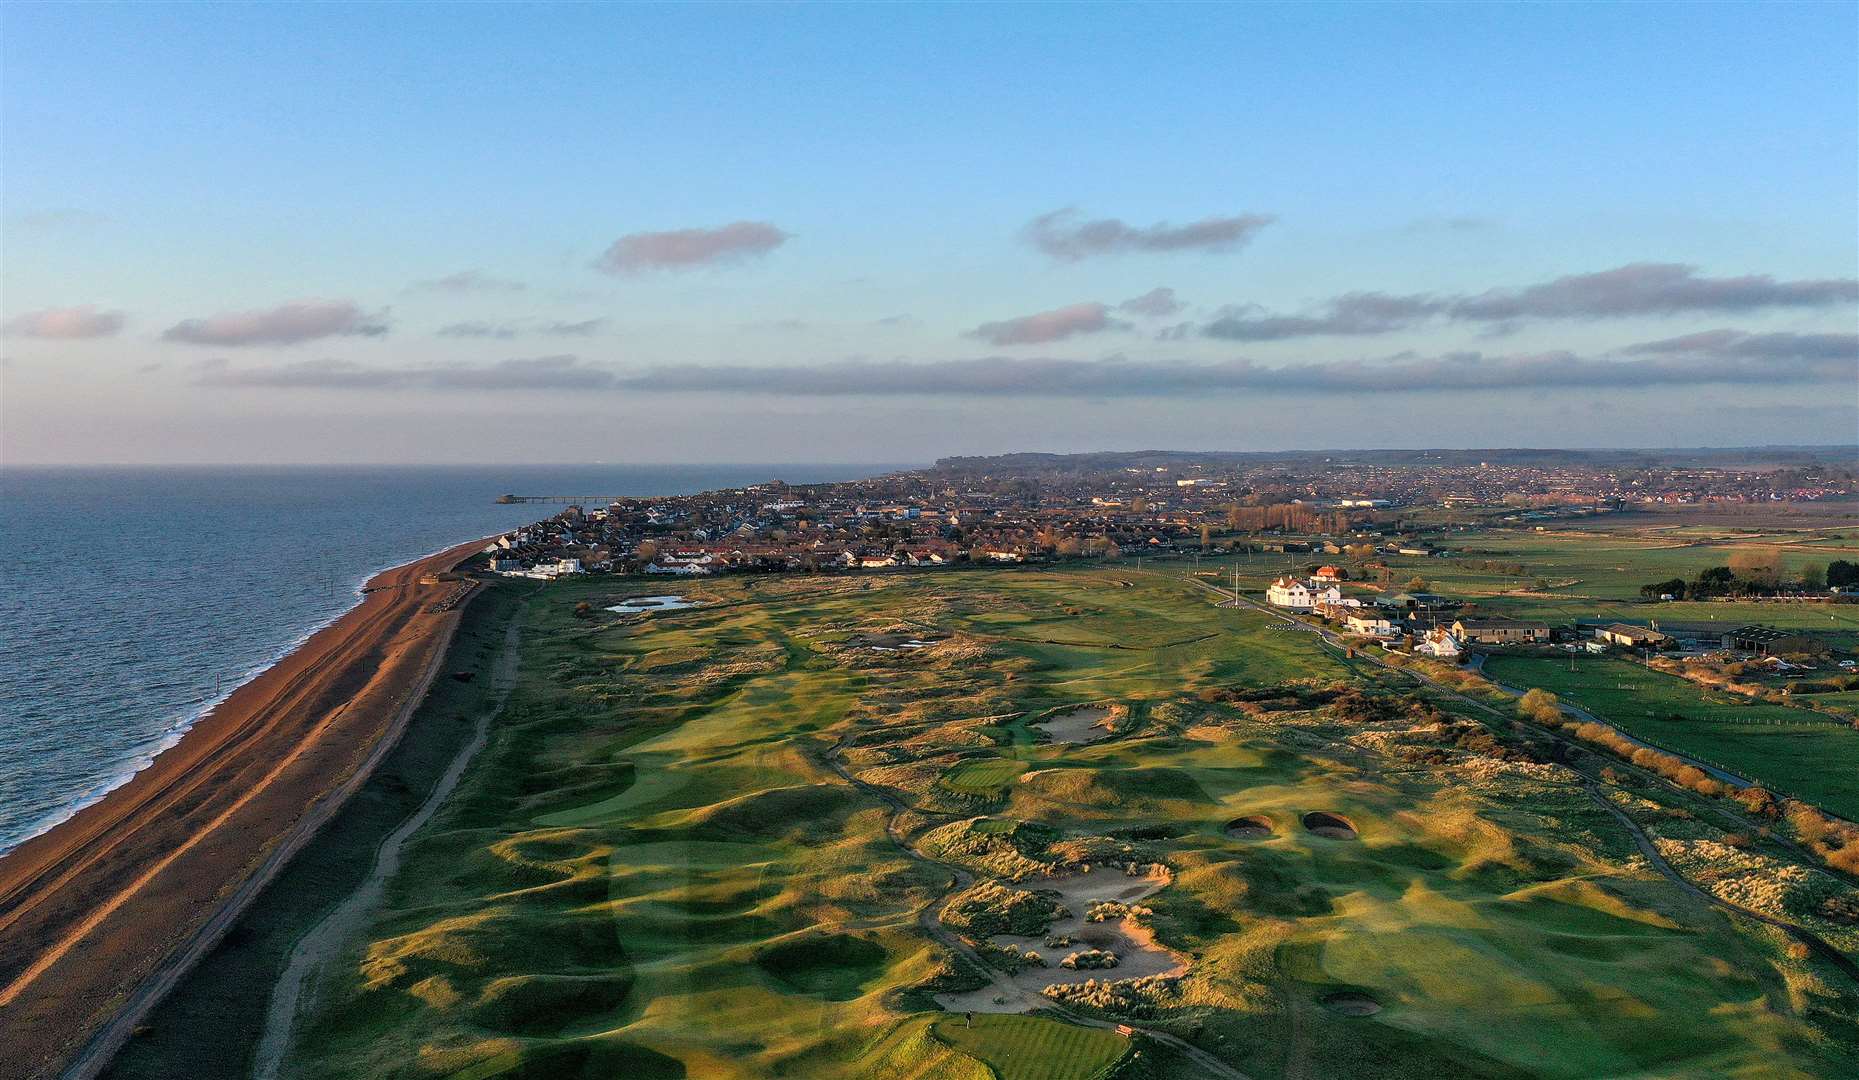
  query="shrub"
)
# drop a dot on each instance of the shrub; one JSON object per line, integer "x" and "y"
{"x": 1540, "y": 706}
{"x": 1089, "y": 959}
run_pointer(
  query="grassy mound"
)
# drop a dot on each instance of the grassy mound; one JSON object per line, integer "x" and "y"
{"x": 549, "y": 1004}
{"x": 833, "y": 966}
{"x": 789, "y": 812}
{"x": 586, "y": 1059}
{"x": 1154, "y": 792}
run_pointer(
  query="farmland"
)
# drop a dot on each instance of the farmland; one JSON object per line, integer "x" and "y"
{"x": 713, "y": 842}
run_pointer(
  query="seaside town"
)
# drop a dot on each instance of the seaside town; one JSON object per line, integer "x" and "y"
{"x": 1037, "y": 508}
{"x": 1369, "y": 530}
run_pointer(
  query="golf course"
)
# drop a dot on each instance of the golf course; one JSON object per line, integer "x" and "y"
{"x": 1026, "y": 824}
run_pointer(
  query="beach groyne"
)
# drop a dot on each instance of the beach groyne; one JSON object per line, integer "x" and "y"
{"x": 100, "y": 915}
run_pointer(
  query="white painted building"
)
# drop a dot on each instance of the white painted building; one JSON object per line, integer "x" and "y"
{"x": 1290, "y": 593}
{"x": 1438, "y": 643}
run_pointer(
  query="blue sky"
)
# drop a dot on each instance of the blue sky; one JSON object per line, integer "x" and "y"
{"x": 227, "y": 167}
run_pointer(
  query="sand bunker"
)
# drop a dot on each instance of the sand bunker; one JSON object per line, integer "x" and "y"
{"x": 1138, "y": 956}
{"x": 1256, "y": 827}
{"x": 1352, "y": 1003}
{"x": 1333, "y": 826}
{"x": 1087, "y": 723}
{"x": 638, "y": 604}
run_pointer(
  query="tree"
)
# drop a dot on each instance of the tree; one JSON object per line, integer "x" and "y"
{"x": 1416, "y": 584}
{"x": 1714, "y": 581}
{"x": 1756, "y": 569}
{"x": 1232, "y": 516}
{"x": 1671, "y": 587}
{"x": 1812, "y": 580}
{"x": 1207, "y": 533}
{"x": 1842, "y": 573}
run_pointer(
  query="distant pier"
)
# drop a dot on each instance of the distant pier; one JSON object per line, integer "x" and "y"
{"x": 573, "y": 500}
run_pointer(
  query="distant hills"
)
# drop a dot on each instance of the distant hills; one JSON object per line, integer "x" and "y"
{"x": 1696, "y": 457}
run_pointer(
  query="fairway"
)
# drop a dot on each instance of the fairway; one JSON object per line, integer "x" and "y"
{"x": 1029, "y": 1048}
{"x": 983, "y": 776}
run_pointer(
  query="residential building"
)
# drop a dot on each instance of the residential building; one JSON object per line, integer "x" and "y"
{"x": 1368, "y": 621}
{"x": 1499, "y": 631}
{"x": 1290, "y": 593}
{"x": 1439, "y": 643}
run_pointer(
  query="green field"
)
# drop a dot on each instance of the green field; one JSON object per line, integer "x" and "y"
{"x": 1591, "y": 574}
{"x": 983, "y": 776}
{"x": 658, "y": 869}
{"x": 1804, "y": 754}
{"x": 1028, "y": 1048}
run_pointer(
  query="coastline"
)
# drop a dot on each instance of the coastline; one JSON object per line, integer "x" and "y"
{"x": 172, "y": 736}
{"x": 122, "y": 895}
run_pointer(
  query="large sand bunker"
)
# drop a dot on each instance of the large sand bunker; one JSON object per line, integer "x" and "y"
{"x": 1334, "y": 826}
{"x": 1138, "y": 955}
{"x": 1255, "y": 827}
{"x": 1087, "y": 723}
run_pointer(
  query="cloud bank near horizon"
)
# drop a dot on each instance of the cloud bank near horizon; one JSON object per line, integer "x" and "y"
{"x": 1047, "y": 326}
{"x": 1634, "y": 289}
{"x": 1723, "y": 357}
{"x": 513, "y": 328}
{"x": 286, "y": 324}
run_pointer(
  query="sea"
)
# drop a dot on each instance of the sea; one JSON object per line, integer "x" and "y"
{"x": 132, "y": 600}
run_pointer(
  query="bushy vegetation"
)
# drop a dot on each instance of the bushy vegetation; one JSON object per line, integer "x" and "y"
{"x": 993, "y": 908}
{"x": 1089, "y": 960}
